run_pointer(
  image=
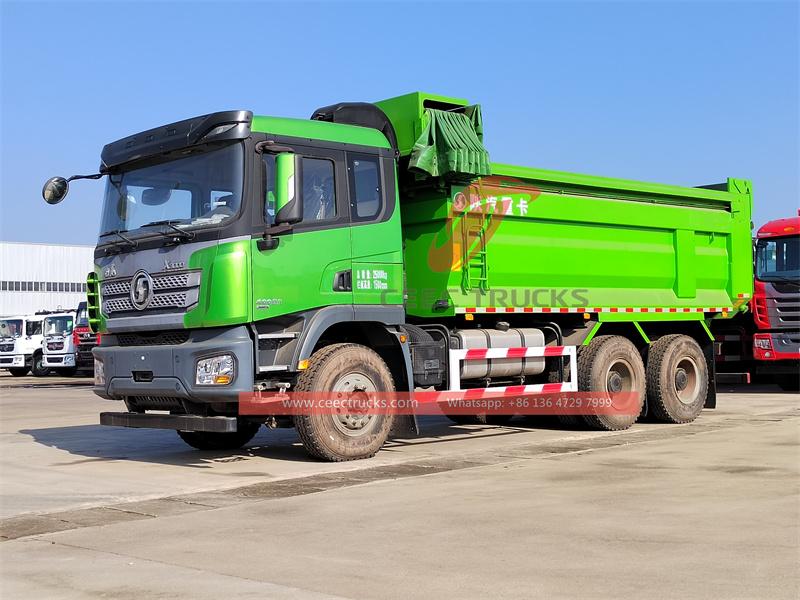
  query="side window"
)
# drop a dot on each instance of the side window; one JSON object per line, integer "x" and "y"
{"x": 269, "y": 189}
{"x": 365, "y": 187}
{"x": 319, "y": 191}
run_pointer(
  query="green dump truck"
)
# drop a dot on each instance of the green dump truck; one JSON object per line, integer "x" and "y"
{"x": 375, "y": 247}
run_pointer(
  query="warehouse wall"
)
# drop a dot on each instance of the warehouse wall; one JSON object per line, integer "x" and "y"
{"x": 42, "y": 276}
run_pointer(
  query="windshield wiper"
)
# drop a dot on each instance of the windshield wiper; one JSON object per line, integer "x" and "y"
{"x": 171, "y": 223}
{"x": 120, "y": 245}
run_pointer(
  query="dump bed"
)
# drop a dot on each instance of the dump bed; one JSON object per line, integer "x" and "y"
{"x": 529, "y": 240}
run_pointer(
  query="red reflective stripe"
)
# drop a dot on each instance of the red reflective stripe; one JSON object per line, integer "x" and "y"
{"x": 673, "y": 310}
{"x": 470, "y": 309}
{"x": 547, "y": 310}
{"x": 659, "y": 310}
{"x": 581, "y": 309}
{"x": 515, "y": 389}
{"x": 516, "y": 352}
{"x": 645, "y": 309}
{"x": 509, "y": 309}
{"x": 491, "y": 309}
{"x": 554, "y": 351}
{"x": 614, "y": 309}
{"x": 476, "y": 353}
{"x": 527, "y": 309}
{"x": 552, "y": 387}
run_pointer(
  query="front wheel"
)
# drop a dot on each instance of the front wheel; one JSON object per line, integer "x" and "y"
{"x": 38, "y": 369}
{"x": 344, "y": 371}
{"x": 212, "y": 440}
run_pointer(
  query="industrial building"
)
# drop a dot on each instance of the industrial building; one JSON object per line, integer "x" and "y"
{"x": 36, "y": 277}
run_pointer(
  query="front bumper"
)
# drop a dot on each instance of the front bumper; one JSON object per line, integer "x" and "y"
{"x": 168, "y": 371}
{"x": 12, "y": 361}
{"x": 179, "y": 422}
{"x": 54, "y": 361}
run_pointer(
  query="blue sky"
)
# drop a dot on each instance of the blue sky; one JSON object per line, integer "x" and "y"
{"x": 680, "y": 92}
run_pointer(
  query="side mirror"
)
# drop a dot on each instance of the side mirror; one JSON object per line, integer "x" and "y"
{"x": 55, "y": 189}
{"x": 288, "y": 188}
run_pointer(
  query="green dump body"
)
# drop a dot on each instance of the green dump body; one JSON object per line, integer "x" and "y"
{"x": 530, "y": 240}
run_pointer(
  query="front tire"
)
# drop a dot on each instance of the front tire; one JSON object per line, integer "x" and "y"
{"x": 341, "y": 370}
{"x": 212, "y": 440}
{"x": 677, "y": 379}
{"x": 611, "y": 363}
{"x": 37, "y": 366}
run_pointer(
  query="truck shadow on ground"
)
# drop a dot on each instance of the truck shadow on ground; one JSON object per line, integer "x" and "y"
{"x": 99, "y": 443}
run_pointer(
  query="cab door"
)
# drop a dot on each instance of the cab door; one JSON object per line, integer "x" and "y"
{"x": 375, "y": 232}
{"x": 310, "y": 266}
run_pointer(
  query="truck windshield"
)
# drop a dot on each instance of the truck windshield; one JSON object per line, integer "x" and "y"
{"x": 58, "y": 325}
{"x": 82, "y": 318}
{"x": 778, "y": 259}
{"x": 10, "y": 328}
{"x": 196, "y": 190}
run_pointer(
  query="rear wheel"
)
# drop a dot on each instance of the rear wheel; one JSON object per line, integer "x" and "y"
{"x": 677, "y": 379}
{"x": 344, "y": 370}
{"x": 19, "y": 371}
{"x": 611, "y": 363}
{"x": 37, "y": 368}
{"x": 212, "y": 440}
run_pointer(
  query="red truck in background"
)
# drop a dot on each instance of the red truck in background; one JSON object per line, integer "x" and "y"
{"x": 763, "y": 345}
{"x": 83, "y": 339}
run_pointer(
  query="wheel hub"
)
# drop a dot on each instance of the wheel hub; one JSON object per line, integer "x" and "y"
{"x": 614, "y": 382}
{"x": 681, "y": 380}
{"x": 353, "y": 389}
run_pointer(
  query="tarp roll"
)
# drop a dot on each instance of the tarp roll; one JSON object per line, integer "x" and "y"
{"x": 451, "y": 144}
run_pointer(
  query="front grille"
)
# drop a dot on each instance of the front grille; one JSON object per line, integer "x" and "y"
{"x": 55, "y": 345}
{"x": 787, "y": 309}
{"x": 155, "y": 403}
{"x": 171, "y": 291}
{"x": 177, "y": 300}
{"x": 55, "y": 359}
{"x": 7, "y": 348}
{"x": 165, "y": 338}
{"x": 6, "y": 361}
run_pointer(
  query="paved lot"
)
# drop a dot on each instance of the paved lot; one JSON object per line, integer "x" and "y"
{"x": 710, "y": 509}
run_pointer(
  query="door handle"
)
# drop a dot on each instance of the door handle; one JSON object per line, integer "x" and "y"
{"x": 343, "y": 281}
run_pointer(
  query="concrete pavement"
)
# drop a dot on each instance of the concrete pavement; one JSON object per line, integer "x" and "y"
{"x": 708, "y": 509}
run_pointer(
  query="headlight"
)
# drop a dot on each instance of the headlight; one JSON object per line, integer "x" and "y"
{"x": 217, "y": 370}
{"x": 99, "y": 373}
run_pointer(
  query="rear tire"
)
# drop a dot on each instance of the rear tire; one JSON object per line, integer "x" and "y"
{"x": 212, "y": 440}
{"x": 37, "y": 366}
{"x": 344, "y": 369}
{"x": 611, "y": 363}
{"x": 677, "y": 379}
{"x": 19, "y": 371}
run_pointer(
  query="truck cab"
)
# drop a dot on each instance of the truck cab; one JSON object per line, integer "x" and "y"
{"x": 21, "y": 345}
{"x": 776, "y": 302}
{"x": 58, "y": 345}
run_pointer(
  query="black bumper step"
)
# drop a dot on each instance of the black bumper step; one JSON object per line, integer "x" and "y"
{"x": 178, "y": 422}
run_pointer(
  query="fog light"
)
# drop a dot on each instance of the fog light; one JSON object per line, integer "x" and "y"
{"x": 217, "y": 370}
{"x": 99, "y": 373}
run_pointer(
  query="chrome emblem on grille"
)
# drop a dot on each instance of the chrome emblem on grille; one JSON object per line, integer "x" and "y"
{"x": 141, "y": 290}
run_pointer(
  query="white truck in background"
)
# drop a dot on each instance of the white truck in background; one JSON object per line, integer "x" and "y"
{"x": 21, "y": 345}
{"x": 59, "y": 348}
